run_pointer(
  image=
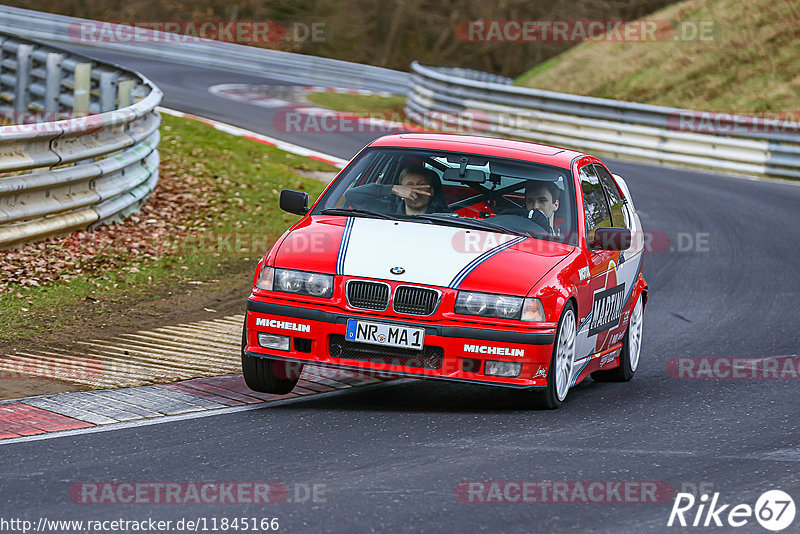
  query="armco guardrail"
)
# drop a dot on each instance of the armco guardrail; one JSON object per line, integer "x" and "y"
{"x": 296, "y": 68}
{"x": 623, "y": 130}
{"x": 65, "y": 174}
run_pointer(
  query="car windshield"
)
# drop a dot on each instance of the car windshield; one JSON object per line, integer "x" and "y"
{"x": 457, "y": 189}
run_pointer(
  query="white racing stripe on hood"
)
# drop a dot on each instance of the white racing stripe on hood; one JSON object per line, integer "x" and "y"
{"x": 430, "y": 254}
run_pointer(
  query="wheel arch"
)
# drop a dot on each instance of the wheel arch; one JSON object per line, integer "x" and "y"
{"x": 574, "y": 300}
{"x": 642, "y": 289}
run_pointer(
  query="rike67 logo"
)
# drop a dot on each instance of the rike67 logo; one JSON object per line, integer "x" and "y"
{"x": 774, "y": 510}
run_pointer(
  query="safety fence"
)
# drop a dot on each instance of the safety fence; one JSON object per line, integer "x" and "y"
{"x": 78, "y": 141}
{"x": 462, "y": 99}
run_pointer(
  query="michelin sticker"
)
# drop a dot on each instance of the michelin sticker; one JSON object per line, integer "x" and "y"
{"x": 499, "y": 351}
{"x": 283, "y": 325}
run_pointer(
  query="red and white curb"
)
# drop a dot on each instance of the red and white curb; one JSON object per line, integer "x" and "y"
{"x": 260, "y": 138}
{"x": 36, "y": 416}
{"x": 292, "y": 99}
{"x": 342, "y": 90}
{"x": 253, "y": 92}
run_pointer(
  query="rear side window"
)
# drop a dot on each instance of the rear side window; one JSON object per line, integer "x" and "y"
{"x": 618, "y": 215}
{"x": 595, "y": 205}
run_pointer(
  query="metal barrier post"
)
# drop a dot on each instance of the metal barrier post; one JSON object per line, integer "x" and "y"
{"x": 125, "y": 93}
{"x": 83, "y": 84}
{"x": 52, "y": 82}
{"x": 23, "y": 74}
{"x": 108, "y": 90}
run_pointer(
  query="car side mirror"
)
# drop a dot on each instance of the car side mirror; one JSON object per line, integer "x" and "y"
{"x": 611, "y": 239}
{"x": 294, "y": 201}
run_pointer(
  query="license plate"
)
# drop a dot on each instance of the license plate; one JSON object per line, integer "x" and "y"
{"x": 393, "y": 335}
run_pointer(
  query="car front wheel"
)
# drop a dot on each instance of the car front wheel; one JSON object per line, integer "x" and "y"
{"x": 562, "y": 363}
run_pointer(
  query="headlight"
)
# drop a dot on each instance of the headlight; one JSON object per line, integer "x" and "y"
{"x": 499, "y": 306}
{"x": 303, "y": 283}
{"x": 474, "y": 303}
{"x": 488, "y": 305}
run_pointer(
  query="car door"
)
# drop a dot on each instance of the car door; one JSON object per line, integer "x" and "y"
{"x": 601, "y": 293}
{"x": 629, "y": 261}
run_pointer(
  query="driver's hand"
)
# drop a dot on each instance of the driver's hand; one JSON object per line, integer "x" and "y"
{"x": 411, "y": 192}
{"x": 541, "y": 219}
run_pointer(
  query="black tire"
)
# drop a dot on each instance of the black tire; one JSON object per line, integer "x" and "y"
{"x": 546, "y": 398}
{"x": 269, "y": 376}
{"x": 625, "y": 371}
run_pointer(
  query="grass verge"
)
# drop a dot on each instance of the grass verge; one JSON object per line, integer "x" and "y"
{"x": 728, "y": 56}
{"x": 387, "y": 107}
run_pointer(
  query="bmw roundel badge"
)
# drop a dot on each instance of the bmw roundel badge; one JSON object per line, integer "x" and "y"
{"x": 397, "y": 270}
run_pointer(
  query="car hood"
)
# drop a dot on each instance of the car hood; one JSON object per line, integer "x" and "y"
{"x": 419, "y": 253}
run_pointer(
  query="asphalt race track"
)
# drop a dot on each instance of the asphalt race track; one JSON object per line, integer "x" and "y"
{"x": 723, "y": 281}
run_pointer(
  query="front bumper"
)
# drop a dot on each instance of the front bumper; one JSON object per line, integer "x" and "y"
{"x": 452, "y": 351}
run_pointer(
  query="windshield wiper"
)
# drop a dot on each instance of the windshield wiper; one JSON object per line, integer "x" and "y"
{"x": 468, "y": 222}
{"x": 356, "y": 211}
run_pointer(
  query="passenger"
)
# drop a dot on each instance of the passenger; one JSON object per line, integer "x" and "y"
{"x": 418, "y": 191}
{"x": 541, "y": 201}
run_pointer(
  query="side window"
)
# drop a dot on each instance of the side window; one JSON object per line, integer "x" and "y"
{"x": 614, "y": 198}
{"x": 374, "y": 170}
{"x": 594, "y": 202}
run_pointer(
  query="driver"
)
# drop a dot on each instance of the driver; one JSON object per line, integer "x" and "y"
{"x": 541, "y": 201}
{"x": 418, "y": 191}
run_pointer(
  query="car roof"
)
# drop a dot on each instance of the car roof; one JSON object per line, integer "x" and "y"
{"x": 485, "y": 146}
